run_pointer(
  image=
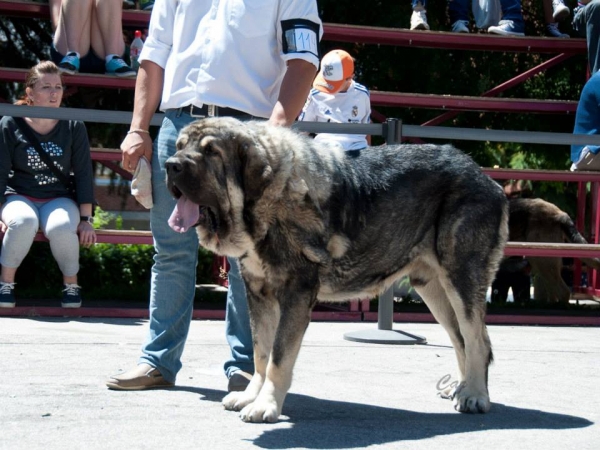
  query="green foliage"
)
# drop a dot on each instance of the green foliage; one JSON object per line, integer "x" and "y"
{"x": 103, "y": 218}
{"x": 107, "y": 271}
{"x": 120, "y": 271}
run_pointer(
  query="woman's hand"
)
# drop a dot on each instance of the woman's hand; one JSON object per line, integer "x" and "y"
{"x": 3, "y": 228}
{"x": 87, "y": 234}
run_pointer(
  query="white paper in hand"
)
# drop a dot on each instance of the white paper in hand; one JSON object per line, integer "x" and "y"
{"x": 141, "y": 184}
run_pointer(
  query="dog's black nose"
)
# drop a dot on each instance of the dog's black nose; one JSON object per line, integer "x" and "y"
{"x": 173, "y": 166}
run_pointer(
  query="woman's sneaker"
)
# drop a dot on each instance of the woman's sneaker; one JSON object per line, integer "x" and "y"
{"x": 116, "y": 66}
{"x": 7, "y": 295}
{"x": 69, "y": 64}
{"x": 71, "y": 296}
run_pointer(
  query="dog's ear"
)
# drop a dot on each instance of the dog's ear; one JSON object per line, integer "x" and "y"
{"x": 255, "y": 170}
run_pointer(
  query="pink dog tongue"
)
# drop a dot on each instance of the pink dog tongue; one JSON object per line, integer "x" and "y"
{"x": 185, "y": 215}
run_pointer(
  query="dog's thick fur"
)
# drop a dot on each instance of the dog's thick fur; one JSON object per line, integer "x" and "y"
{"x": 310, "y": 223}
{"x": 536, "y": 220}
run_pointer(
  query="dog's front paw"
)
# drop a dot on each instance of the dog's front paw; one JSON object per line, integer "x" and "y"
{"x": 470, "y": 400}
{"x": 262, "y": 410}
{"x": 235, "y": 401}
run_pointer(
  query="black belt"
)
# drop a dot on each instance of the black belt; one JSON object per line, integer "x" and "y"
{"x": 211, "y": 111}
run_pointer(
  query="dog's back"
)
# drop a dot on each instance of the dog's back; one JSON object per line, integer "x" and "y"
{"x": 406, "y": 203}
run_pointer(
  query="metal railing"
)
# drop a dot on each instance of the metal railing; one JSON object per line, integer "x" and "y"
{"x": 393, "y": 130}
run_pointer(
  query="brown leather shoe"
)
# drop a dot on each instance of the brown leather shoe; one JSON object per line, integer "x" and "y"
{"x": 238, "y": 381}
{"x": 144, "y": 376}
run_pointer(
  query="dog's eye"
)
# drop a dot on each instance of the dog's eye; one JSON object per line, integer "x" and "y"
{"x": 181, "y": 142}
{"x": 209, "y": 150}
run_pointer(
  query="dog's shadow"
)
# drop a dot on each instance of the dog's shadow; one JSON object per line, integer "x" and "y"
{"x": 329, "y": 424}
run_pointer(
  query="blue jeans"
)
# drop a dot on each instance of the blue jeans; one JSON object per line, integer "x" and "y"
{"x": 173, "y": 280}
{"x": 511, "y": 10}
{"x": 586, "y": 22}
{"x": 461, "y": 10}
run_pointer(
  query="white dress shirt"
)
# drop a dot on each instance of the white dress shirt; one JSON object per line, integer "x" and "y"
{"x": 230, "y": 53}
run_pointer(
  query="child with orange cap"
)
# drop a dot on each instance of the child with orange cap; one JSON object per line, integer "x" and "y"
{"x": 337, "y": 98}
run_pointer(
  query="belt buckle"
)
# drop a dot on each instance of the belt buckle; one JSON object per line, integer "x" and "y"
{"x": 211, "y": 110}
{"x": 195, "y": 115}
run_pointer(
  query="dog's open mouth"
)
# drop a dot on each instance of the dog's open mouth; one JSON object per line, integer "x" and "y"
{"x": 188, "y": 214}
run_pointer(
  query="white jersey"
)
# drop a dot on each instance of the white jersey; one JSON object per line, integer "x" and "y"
{"x": 352, "y": 106}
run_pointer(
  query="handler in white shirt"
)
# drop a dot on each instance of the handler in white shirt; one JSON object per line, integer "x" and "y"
{"x": 240, "y": 58}
{"x": 337, "y": 98}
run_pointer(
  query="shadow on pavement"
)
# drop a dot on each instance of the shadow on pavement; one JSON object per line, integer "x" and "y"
{"x": 328, "y": 424}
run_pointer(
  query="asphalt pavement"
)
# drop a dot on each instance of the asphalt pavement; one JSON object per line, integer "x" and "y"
{"x": 345, "y": 395}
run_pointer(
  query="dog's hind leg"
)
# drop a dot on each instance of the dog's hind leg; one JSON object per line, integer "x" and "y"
{"x": 471, "y": 394}
{"x": 469, "y": 248}
{"x": 464, "y": 323}
{"x": 437, "y": 301}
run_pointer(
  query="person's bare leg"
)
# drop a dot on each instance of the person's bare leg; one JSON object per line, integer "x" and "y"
{"x": 107, "y": 28}
{"x": 70, "y": 280}
{"x": 54, "y": 13}
{"x": 73, "y": 31}
{"x": 8, "y": 274}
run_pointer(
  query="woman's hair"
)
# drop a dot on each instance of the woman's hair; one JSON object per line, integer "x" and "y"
{"x": 34, "y": 75}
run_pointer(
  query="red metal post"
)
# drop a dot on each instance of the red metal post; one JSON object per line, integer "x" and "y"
{"x": 580, "y": 225}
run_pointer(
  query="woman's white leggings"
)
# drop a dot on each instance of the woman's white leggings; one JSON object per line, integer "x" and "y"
{"x": 57, "y": 218}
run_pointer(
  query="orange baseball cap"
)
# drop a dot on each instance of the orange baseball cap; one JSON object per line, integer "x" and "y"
{"x": 336, "y": 67}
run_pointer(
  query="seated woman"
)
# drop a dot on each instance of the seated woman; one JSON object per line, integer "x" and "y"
{"x": 88, "y": 37}
{"x": 32, "y": 196}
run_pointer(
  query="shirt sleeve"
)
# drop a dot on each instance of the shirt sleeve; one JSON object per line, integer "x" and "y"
{"x": 157, "y": 46}
{"x": 587, "y": 117}
{"x": 300, "y": 30}
{"x": 81, "y": 164}
{"x": 5, "y": 156}
{"x": 367, "y": 117}
{"x": 308, "y": 113}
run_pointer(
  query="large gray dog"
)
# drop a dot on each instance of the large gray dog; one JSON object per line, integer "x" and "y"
{"x": 310, "y": 224}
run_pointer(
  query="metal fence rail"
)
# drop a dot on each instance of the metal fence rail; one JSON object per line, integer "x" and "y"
{"x": 393, "y": 130}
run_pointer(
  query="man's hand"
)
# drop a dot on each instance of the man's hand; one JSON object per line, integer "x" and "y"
{"x": 134, "y": 146}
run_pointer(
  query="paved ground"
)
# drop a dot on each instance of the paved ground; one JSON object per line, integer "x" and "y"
{"x": 345, "y": 395}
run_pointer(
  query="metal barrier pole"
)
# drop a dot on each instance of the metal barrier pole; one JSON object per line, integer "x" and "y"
{"x": 394, "y": 131}
{"x": 384, "y": 334}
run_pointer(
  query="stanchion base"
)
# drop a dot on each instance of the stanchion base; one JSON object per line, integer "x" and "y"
{"x": 377, "y": 336}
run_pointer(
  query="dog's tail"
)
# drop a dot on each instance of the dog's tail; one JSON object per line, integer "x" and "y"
{"x": 573, "y": 236}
